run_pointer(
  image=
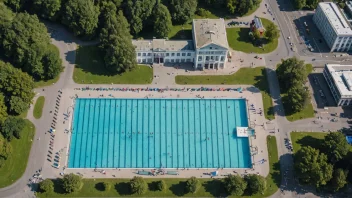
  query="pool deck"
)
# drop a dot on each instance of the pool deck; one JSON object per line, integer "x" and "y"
{"x": 61, "y": 140}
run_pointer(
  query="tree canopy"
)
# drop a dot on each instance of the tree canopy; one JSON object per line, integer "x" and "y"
{"x": 339, "y": 179}
{"x": 310, "y": 4}
{"x": 335, "y": 146}
{"x": 5, "y": 150}
{"x": 272, "y": 32}
{"x": 47, "y": 9}
{"x": 256, "y": 183}
{"x": 17, "y": 88}
{"x": 297, "y": 98}
{"x": 192, "y": 185}
{"x": 235, "y": 185}
{"x": 26, "y": 43}
{"x": 12, "y": 127}
{"x": 312, "y": 167}
{"x": 46, "y": 185}
{"x": 3, "y": 109}
{"x": 81, "y": 16}
{"x": 116, "y": 43}
{"x": 162, "y": 21}
{"x": 291, "y": 72}
{"x": 182, "y": 10}
{"x": 138, "y": 185}
{"x": 138, "y": 13}
{"x": 71, "y": 182}
{"x": 241, "y": 7}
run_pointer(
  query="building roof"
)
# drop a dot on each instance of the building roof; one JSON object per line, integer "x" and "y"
{"x": 335, "y": 18}
{"x": 258, "y": 23}
{"x": 207, "y": 31}
{"x": 342, "y": 77}
{"x": 162, "y": 45}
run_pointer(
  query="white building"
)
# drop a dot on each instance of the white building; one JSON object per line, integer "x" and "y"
{"x": 208, "y": 50}
{"x": 339, "y": 79}
{"x": 333, "y": 26}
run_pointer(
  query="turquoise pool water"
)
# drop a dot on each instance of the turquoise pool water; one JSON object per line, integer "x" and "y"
{"x": 155, "y": 133}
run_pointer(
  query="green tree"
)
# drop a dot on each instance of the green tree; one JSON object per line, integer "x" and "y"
{"x": 46, "y": 185}
{"x": 312, "y": 4}
{"x": 120, "y": 54}
{"x": 161, "y": 185}
{"x": 12, "y": 126}
{"x": 81, "y": 16}
{"x": 232, "y": 6}
{"x": 3, "y": 109}
{"x": 47, "y": 9}
{"x": 256, "y": 183}
{"x": 339, "y": 179}
{"x": 297, "y": 98}
{"x": 17, "y": 87}
{"x": 235, "y": 185}
{"x": 25, "y": 41}
{"x": 162, "y": 21}
{"x": 240, "y": 7}
{"x": 335, "y": 146}
{"x": 16, "y": 5}
{"x": 291, "y": 72}
{"x": 138, "y": 185}
{"x": 138, "y": 14}
{"x": 312, "y": 167}
{"x": 6, "y": 15}
{"x": 5, "y": 150}
{"x": 107, "y": 186}
{"x": 299, "y": 4}
{"x": 272, "y": 32}
{"x": 72, "y": 183}
{"x": 192, "y": 185}
{"x": 182, "y": 10}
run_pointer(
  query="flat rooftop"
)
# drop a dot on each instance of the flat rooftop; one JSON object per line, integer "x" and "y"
{"x": 336, "y": 18}
{"x": 342, "y": 77}
{"x": 163, "y": 45}
{"x": 207, "y": 31}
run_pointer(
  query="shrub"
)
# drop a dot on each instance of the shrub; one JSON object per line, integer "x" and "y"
{"x": 203, "y": 12}
{"x": 192, "y": 185}
{"x": 72, "y": 183}
{"x": 235, "y": 185}
{"x": 107, "y": 186}
{"x": 161, "y": 185}
{"x": 138, "y": 185}
{"x": 256, "y": 184}
{"x": 47, "y": 185}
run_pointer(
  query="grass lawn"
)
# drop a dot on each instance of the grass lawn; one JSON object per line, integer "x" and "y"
{"x": 175, "y": 187}
{"x": 244, "y": 76}
{"x": 38, "y": 107}
{"x": 312, "y": 139}
{"x": 240, "y": 40}
{"x": 307, "y": 112}
{"x": 15, "y": 165}
{"x": 274, "y": 178}
{"x": 90, "y": 69}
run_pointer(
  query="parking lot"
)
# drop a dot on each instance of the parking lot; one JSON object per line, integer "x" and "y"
{"x": 321, "y": 92}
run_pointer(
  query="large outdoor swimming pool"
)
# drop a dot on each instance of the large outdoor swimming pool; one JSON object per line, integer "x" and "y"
{"x": 155, "y": 133}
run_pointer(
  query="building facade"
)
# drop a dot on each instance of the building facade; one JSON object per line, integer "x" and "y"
{"x": 339, "y": 80}
{"x": 334, "y": 27}
{"x": 208, "y": 50}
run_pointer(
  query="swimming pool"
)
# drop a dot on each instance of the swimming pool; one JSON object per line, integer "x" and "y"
{"x": 155, "y": 133}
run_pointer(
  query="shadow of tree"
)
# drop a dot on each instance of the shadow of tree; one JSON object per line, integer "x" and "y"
{"x": 182, "y": 34}
{"x": 123, "y": 188}
{"x": 178, "y": 189}
{"x": 152, "y": 186}
{"x": 99, "y": 186}
{"x": 263, "y": 85}
{"x": 215, "y": 188}
{"x": 311, "y": 141}
{"x": 58, "y": 186}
